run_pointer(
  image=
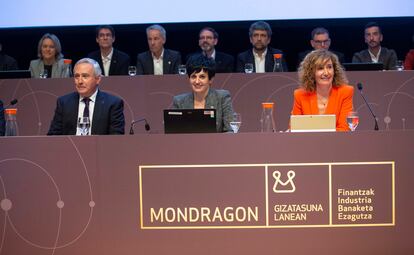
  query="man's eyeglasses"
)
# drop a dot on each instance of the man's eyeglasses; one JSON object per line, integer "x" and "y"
{"x": 322, "y": 42}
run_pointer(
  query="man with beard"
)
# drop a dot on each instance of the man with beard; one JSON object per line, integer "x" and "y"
{"x": 207, "y": 40}
{"x": 375, "y": 53}
{"x": 261, "y": 56}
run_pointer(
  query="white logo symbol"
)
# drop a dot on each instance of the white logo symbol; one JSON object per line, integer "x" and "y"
{"x": 284, "y": 187}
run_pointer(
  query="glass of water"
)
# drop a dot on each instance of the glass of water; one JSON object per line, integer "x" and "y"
{"x": 399, "y": 65}
{"x": 236, "y": 122}
{"x": 248, "y": 68}
{"x": 84, "y": 124}
{"x": 43, "y": 74}
{"x": 132, "y": 70}
{"x": 182, "y": 70}
{"x": 352, "y": 119}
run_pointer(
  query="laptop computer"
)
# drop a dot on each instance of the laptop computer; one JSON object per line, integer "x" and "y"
{"x": 367, "y": 66}
{"x": 313, "y": 123}
{"x": 189, "y": 121}
{"x": 15, "y": 74}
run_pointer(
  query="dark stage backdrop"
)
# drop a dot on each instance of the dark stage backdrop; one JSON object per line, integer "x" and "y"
{"x": 291, "y": 36}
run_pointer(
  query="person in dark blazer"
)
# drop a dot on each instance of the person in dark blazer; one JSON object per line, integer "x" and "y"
{"x": 6, "y": 62}
{"x": 158, "y": 60}
{"x": 261, "y": 56}
{"x": 111, "y": 60}
{"x": 105, "y": 111}
{"x": 208, "y": 39}
{"x": 375, "y": 53}
{"x": 201, "y": 73}
{"x": 2, "y": 121}
{"x": 320, "y": 40}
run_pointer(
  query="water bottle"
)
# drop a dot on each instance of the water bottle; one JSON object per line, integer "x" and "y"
{"x": 267, "y": 122}
{"x": 11, "y": 122}
{"x": 277, "y": 67}
{"x": 68, "y": 64}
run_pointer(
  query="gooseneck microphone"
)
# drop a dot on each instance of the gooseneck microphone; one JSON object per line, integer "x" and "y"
{"x": 359, "y": 85}
{"x": 147, "y": 126}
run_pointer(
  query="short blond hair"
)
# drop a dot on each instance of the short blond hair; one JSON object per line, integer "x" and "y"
{"x": 314, "y": 60}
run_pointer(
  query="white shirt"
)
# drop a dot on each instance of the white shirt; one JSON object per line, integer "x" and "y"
{"x": 259, "y": 61}
{"x": 158, "y": 63}
{"x": 213, "y": 55}
{"x": 106, "y": 62}
{"x": 81, "y": 107}
{"x": 374, "y": 58}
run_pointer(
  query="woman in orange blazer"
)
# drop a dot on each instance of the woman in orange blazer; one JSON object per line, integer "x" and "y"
{"x": 323, "y": 88}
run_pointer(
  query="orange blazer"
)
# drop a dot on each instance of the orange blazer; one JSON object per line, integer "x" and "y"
{"x": 340, "y": 103}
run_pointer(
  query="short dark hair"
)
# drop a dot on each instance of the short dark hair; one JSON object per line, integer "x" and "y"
{"x": 319, "y": 31}
{"x": 373, "y": 24}
{"x": 109, "y": 27}
{"x": 201, "y": 63}
{"x": 260, "y": 25}
{"x": 215, "y": 34}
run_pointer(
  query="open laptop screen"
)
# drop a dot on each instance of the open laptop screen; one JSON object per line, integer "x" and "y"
{"x": 363, "y": 66}
{"x": 313, "y": 123}
{"x": 190, "y": 121}
{"x": 15, "y": 74}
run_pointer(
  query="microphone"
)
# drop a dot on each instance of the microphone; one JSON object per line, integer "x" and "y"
{"x": 359, "y": 85}
{"x": 12, "y": 102}
{"x": 147, "y": 126}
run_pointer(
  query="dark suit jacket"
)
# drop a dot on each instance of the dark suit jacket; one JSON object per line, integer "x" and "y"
{"x": 387, "y": 57}
{"x": 171, "y": 61}
{"x": 224, "y": 62}
{"x": 119, "y": 62}
{"x": 2, "y": 121}
{"x": 247, "y": 57}
{"x": 302, "y": 55}
{"x": 108, "y": 115}
{"x": 218, "y": 99}
{"x": 7, "y": 63}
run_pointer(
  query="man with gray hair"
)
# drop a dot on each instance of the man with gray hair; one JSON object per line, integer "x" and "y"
{"x": 105, "y": 112}
{"x": 261, "y": 56}
{"x": 158, "y": 60}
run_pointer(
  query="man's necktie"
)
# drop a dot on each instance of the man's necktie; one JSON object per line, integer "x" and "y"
{"x": 86, "y": 100}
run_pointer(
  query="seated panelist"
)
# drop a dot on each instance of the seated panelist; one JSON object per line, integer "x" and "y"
{"x": 105, "y": 111}
{"x": 323, "y": 88}
{"x": 201, "y": 72}
{"x": 50, "y": 58}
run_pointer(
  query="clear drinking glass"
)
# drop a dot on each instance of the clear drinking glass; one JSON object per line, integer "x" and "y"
{"x": 248, "y": 68}
{"x": 236, "y": 122}
{"x": 43, "y": 74}
{"x": 352, "y": 119}
{"x": 399, "y": 66}
{"x": 182, "y": 70}
{"x": 84, "y": 125}
{"x": 132, "y": 70}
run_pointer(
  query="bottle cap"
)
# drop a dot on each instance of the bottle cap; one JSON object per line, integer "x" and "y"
{"x": 11, "y": 111}
{"x": 277, "y": 55}
{"x": 267, "y": 105}
{"x": 67, "y": 61}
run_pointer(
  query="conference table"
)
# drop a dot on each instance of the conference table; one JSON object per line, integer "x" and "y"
{"x": 247, "y": 193}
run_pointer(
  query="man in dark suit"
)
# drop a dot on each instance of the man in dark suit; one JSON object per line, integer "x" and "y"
{"x": 375, "y": 53}
{"x": 320, "y": 40}
{"x": 208, "y": 39}
{"x": 7, "y": 62}
{"x": 158, "y": 60}
{"x": 111, "y": 61}
{"x": 261, "y": 56}
{"x": 105, "y": 111}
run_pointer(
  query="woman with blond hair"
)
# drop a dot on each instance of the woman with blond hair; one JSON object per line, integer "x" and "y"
{"x": 323, "y": 88}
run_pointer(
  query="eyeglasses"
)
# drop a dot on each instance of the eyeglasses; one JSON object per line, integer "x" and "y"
{"x": 322, "y": 42}
{"x": 101, "y": 35}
